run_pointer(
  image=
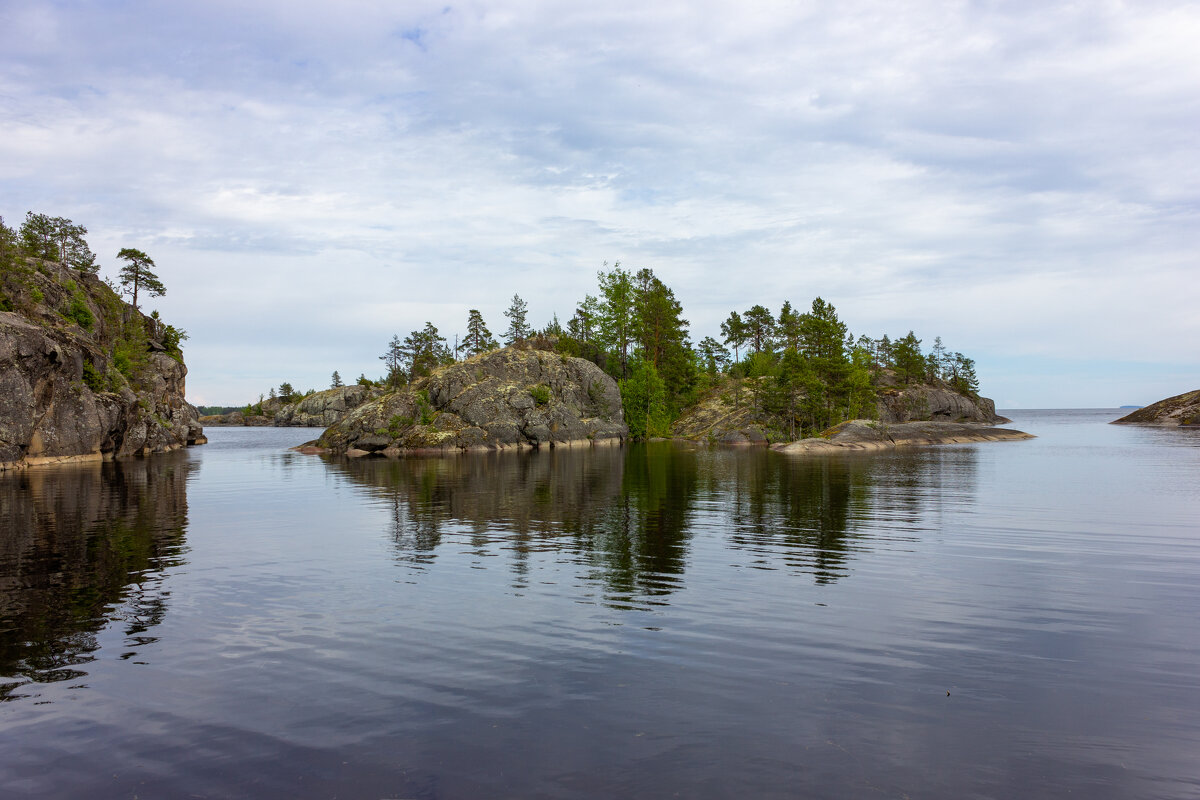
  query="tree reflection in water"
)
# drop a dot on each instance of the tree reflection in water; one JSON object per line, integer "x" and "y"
{"x": 83, "y": 546}
{"x": 629, "y": 515}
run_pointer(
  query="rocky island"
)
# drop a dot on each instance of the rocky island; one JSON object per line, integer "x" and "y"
{"x": 1178, "y": 411}
{"x": 509, "y": 398}
{"x": 84, "y": 375}
{"x": 317, "y": 410}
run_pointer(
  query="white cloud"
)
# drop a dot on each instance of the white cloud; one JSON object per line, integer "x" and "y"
{"x": 1019, "y": 179}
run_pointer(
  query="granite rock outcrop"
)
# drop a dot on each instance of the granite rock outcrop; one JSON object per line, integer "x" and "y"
{"x": 1182, "y": 410}
{"x": 502, "y": 399}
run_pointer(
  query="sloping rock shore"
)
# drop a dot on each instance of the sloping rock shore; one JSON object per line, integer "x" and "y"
{"x": 861, "y": 434}
{"x": 502, "y": 399}
{"x": 729, "y": 414}
{"x": 1180, "y": 410}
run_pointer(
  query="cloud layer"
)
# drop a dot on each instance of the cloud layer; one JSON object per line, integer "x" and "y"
{"x": 1021, "y": 179}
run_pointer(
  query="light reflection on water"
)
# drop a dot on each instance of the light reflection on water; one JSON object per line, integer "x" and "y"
{"x": 243, "y": 621}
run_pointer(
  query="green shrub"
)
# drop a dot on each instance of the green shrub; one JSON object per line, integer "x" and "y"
{"x": 36, "y": 295}
{"x": 540, "y": 394}
{"x": 424, "y": 407}
{"x": 93, "y": 379}
{"x": 79, "y": 312}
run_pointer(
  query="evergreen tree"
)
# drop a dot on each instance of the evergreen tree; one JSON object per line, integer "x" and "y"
{"x": 616, "y": 322}
{"x": 644, "y": 399}
{"x": 582, "y": 326}
{"x": 787, "y": 328}
{"x": 136, "y": 274}
{"x": 285, "y": 392}
{"x": 734, "y": 331}
{"x": 661, "y": 334}
{"x": 938, "y": 359}
{"x": 39, "y": 237}
{"x": 336, "y": 380}
{"x": 760, "y": 326}
{"x": 479, "y": 338}
{"x": 962, "y": 376}
{"x": 517, "y": 327}
{"x": 57, "y": 239}
{"x": 907, "y": 358}
{"x": 553, "y": 328}
{"x": 393, "y": 360}
{"x": 713, "y": 356}
{"x": 424, "y": 350}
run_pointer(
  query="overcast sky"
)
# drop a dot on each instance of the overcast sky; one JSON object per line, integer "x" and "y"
{"x": 1022, "y": 179}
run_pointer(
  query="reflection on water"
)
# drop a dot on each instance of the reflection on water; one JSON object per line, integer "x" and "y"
{"x": 998, "y": 620}
{"x": 84, "y": 546}
{"x": 631, "y": 513}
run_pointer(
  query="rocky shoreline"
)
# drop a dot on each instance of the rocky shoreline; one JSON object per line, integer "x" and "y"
{"x": 866, "y": 435}
{"x": 1182, "y": 410}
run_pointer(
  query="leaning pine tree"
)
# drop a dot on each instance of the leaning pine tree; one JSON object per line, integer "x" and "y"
{"x": 136, "y": 275}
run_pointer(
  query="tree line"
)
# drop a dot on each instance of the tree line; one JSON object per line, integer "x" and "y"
{"x": 803, "y": 369}
{"x": 60, "y": 240}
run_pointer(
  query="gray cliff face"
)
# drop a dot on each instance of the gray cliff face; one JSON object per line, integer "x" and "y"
{"x": 62, "y": 398}
{"x": 507, "y": 398}
{"x": 934, "y": 403}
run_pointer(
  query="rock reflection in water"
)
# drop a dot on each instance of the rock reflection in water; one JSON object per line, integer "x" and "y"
{"x": 82, "y": 546}
{"x": 629, "y": 515}
{"x": 623, "y": 512}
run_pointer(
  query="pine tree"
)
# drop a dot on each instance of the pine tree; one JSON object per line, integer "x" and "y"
{"x": 907, "y": 358}
{"x": 787, "y": 328}
{"x": 760, "y": 326}
{"x": 393, "y": 359}
{"x": 518, "y": 328}
{"x": 734, "y": 331}
{"x": 336, "y": 380}
{"x": 616, "y": 321}
{"x": 136, "y": 274}
{"x": 479, "y": 338}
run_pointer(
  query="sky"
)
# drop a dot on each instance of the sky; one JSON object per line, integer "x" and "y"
{"x": 1020, "y": 179}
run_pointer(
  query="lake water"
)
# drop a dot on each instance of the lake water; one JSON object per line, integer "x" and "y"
{"x": 996, "y": 620}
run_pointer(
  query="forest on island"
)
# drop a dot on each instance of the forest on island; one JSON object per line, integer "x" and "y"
{"x": 804, "y": 369}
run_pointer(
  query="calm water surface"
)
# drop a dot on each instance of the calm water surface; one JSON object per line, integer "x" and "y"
{"x": 995, "y": 620}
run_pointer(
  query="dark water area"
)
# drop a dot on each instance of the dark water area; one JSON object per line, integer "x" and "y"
{"x": 1017, "y": 619}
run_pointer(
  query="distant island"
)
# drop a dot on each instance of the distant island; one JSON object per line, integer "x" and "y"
{"x": 1182, "y": 410}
